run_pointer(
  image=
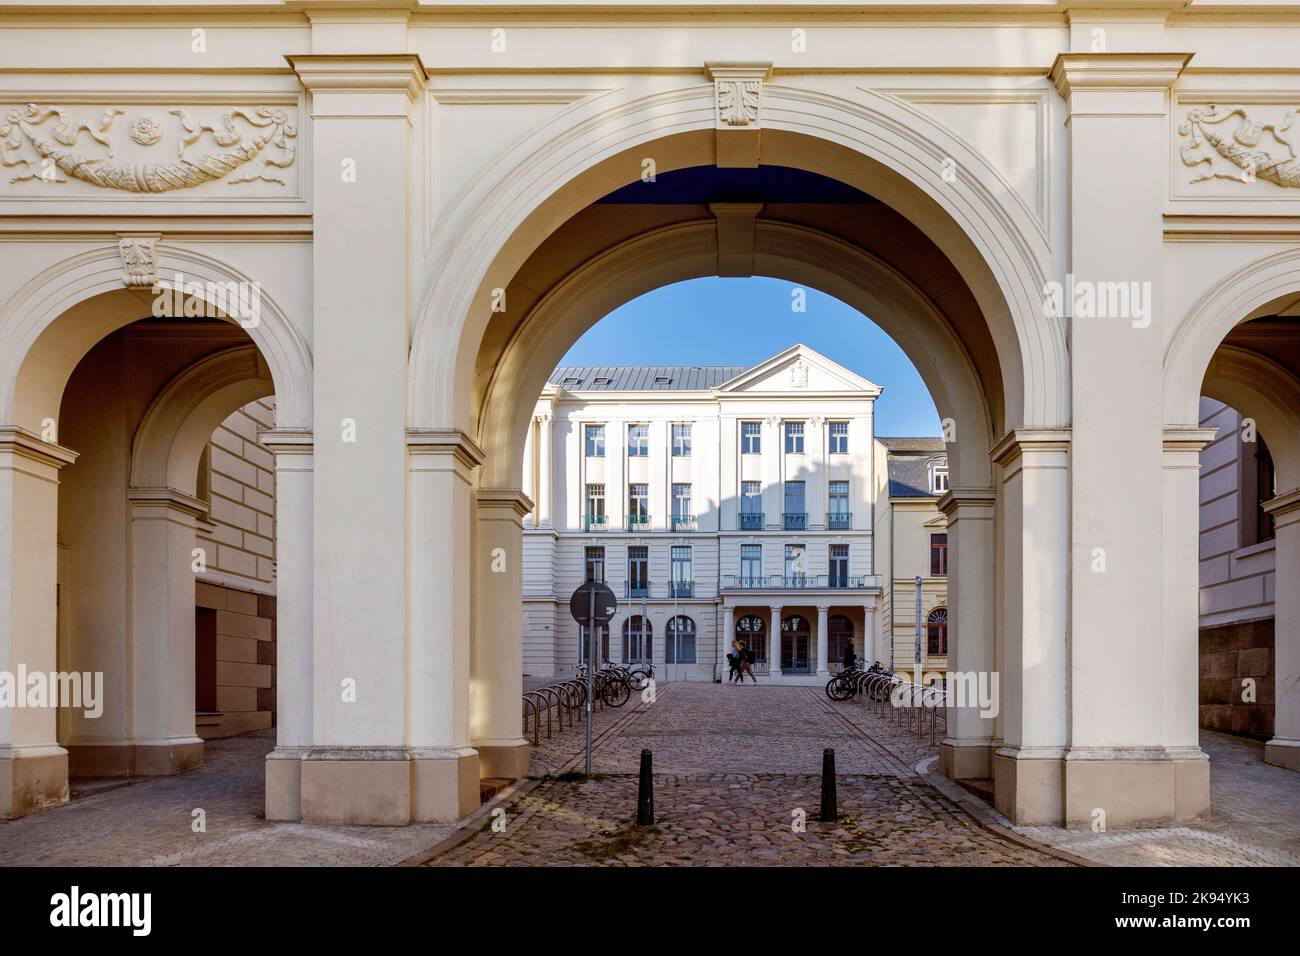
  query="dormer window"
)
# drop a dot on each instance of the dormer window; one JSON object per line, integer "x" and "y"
{"x": 600, "y": 380}
{"x": 571, "y": 382}
{"x": 663, "y": 380}
{"x": 939, "y": 476}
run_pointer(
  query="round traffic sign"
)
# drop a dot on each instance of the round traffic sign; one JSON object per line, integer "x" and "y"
{"x": 581, "y": 607}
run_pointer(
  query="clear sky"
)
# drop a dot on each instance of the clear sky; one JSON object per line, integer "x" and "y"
{"x": 744, "y": 321}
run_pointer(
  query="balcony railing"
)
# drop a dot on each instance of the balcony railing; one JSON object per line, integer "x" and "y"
{"x": 751, "y": 521}
{"x": 794, "y": 520}
{"x": 683, "y": 522}
{"x": 596, "y": 522}
{"x": 640, "y": 590}
{"x": 638, "y": 522}
{"x": 799, "y": 582}
{"x": 681, "y": 589}
{"x": 839, "y": 521}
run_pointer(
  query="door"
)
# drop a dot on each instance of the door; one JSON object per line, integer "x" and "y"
{"x": 679, "y": 648}
{"x": 795, "y": 641}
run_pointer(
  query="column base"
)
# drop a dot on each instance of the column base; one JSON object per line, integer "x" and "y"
{"x": 1283, "y": 753}
{"x": 965, "y": 760}
{"x": 1027, "y": 785}
{"x": 504, "y": 759}
{"x": 284, "y": 784}
{"x": 367, "y": 786}
{"x": 135, "y": 759}
{"x": 31, "y": 779}
{"x": 1135, "y": 786}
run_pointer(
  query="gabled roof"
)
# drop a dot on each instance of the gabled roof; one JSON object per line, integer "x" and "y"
{"x": 851, "y": 381}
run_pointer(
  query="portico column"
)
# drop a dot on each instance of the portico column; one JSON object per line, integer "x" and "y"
{"x": 1125, "y": 756}
{"x": 545, "y": 472}
{"x": 358, "y": 770}
{"x": 774, "y": 643}
{"x": 293, "y": 626}
{"x": 497, "y": 652}
{"x": 1284, "y": 749}
{"x": 972, "y": 651}
{"x": 823, "y": 648}
{"x": 725, "y": 637}
{"x": 33, "y": 767}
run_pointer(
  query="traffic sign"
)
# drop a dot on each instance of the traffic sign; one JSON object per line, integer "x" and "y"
{"x": 582, "y": 607}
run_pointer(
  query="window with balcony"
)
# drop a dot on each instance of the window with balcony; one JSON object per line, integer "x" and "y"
{"x": 751, "y": 565}
{"x": 594, "y": 439}
{"x": 682, "y": 577}
{"x": 638, "y": 507}
{"x": 795, "y": 516}
{"x": 838, "y": 517}
{"x": 683, "y": 518}
{"x": 794, "y": 438}
{"x": 638, "y": 571}
{"x": 595, "y": 513}
{"x": 638, "y": 441}
{"x": 796, "y": 566}
{"x": 681, "y": 441}
{"x": 751, "y": 506}
{"x": 751, "y": 438}
{"x": 838, "y": 438}
{"x": 938, "y": 555}
{"x": 839, "y": 566}
{"x": 594, "y": 564}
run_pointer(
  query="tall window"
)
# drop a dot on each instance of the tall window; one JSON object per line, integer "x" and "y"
{"x": 594, "y": 564}
{"x": 681, "y": 441}
{"x": 584, "y": 649}
{"x": 751, "y": 506}
{"x": 751, "y": 438}
{"x": 637, "y": 632}
{"x": 595, "y": 441}
{"x": 682, "y": 575}
{"x": 682, "y": 516}
{"x": 938, "y": 555}
{"x": 794, "y": 438}
{"x": 638, "y": 441}
{"x": 796, "y": 510}
{"x": 938, "y": 477}
{"x": 679, "y": 646}
{"x": 638, "y": 571}
{"x": 1256, "y": 484}
{"x": 839, "y": 566}
{"x": 837, "y": 517}
{"x": 596, "y": 506}
{"x": 796, "y": 565}
{"x": 751, "y": 565}
{"x": 638, "y": 505}
{"x": 839, "y": 438}
{"x": 752, "y": 629}
{"x": 936, "y": 632}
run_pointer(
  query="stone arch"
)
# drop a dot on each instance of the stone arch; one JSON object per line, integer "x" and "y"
{"x": 38, "y": 352}
{"x": 1261, "y": 389}
{"x": 881, "y": 145}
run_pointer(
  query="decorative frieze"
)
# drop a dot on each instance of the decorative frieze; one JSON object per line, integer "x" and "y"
{"x": 1238, "y": 143}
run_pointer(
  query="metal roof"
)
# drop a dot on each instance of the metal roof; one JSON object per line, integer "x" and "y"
{"x": 643, "y": 378}
{"x": 909, "y": 465}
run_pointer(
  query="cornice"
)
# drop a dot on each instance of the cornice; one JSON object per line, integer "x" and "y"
{"x": 25, "y": 444}
{"x": 506, "y": 498}
{"x": 445, "y": 441}
{"x": 1116, "y": 71}
{"x": 366, "y": 72}
{"x": 1019, "y": 440}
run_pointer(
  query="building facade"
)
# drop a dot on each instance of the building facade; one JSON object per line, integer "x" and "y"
{"x": 718, "y": 502}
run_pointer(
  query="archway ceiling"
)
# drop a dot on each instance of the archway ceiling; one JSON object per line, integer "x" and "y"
{"x": 1276, "y": 337}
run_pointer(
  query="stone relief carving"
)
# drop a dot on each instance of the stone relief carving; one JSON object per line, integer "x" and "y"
{"x": 139, "y": 266}
{"x": 1252, "y": 150}
{"x": 738, "y": 100}
{"x": 799, "y": 374}
{"x": 49, "y": 153}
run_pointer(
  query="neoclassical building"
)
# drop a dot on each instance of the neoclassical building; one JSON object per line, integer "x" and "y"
{"x": 1070, "y": 218}
{"x": 718, "y": 502}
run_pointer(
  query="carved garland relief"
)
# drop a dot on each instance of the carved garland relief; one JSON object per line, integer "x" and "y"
{"x": 48, "y": 151}
{"x": 1249, "y": 150}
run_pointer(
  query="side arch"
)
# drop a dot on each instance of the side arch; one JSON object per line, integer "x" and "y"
{"x": 1261, "y": 389}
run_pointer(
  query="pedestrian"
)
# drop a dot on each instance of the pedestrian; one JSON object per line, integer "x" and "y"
{"x": 745, "y": 658}
{"x": 850, "y": 658}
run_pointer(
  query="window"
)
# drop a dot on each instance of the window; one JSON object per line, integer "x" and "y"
{"x": 751, "y": 438}
{"x": 638, "y": 441}
{"x": 594, "y": 564}
{"x": 600, "y": 380}
{"x": 839, "y": 566}
{"x": 751, "y": 565}
{"x": 838, "y": 517}
{"x": 638, "y": 506}
{"x": 595, "y": 507}
{"x": 682, "y": 581}
{"x": 936, "y": 632}
{"x": 571, "y": 382}
{"x": 683, "y": 520}
{"x": 938, "y": 477}
{"x": 752, "y": 629}
{"x": 938, "y": 555}
{"x": 794, "y": 438}
{"x": 1256, "y": 484}
{"x": 839, "y": 438}
{"x": 796, "y": 567}
{"x": 751, "y": 506}
{"x": 663, "y": 380}
{"x": 637, "y": 632}
{"x": 584, "y": 649}
{"x": 638, "y": 571}
{"x": 595, "y": 440}
{"x": 679, "y": 648}
{"x": 681, "y": 441}
{"x": 796, "y": 512}
{"x": 839, "y": 635}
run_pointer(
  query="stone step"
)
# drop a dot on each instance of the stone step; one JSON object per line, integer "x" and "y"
{"x": 489, "y": 787}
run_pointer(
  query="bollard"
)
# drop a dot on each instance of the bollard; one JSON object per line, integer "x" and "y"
{"x": 645, "y": 794}
{"x": 830, "y": 810}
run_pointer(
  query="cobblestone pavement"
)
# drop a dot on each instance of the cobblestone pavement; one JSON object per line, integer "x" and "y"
{"x": 1253, "y": 819}
{"x": 148, "y": 823}
{"x": 736, "y": 769}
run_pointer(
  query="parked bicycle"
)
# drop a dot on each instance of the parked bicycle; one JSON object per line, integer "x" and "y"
{"x": 639, "y": 677}
{"x": 610, "y": 687}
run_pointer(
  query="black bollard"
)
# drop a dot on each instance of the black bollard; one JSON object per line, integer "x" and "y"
{"x": 645, "y": 794}
{"x": 830, "y": 810}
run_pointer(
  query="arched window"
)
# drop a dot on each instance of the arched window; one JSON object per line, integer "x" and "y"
{"x": 839, "y": 631}
{"x": 679, "y": 645}
{"x": 936, "y": 630}
{"x": 584, "y": 649}
{"x": 637, "y": 643}
{"x": 752, "y": 629}
{"x": 795, "y": 639}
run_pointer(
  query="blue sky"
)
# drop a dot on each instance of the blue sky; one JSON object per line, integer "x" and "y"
{"x": 743, "y": 321}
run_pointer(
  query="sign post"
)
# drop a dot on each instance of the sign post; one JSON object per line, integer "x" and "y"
{"x": 592, "y": 605}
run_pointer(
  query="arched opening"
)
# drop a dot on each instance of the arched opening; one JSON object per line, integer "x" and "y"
{"x": 638, "y": 640}
{"x": 839, "y": 635}
{"x": 796, "y": 645}
{"x": 936, "y": 632}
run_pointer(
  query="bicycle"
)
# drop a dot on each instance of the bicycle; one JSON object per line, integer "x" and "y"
{"x": 639, "y": 677}
{"x": 843, "y": 685}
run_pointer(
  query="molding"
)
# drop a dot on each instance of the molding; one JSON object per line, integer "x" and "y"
{"x": 1116, "y": 71}
{"x": 1287, "y": 503}
{"x": 1188, "y": 438}
{"x": 24, "y": 444}
{"x": 963, "y": 498}
{"x": 171, "y": 499}
{"x": 1019, "y": 440}
{"x": 445, "y": 441}
{"x": 287, "y": 441}
{"x": 360, "y": 73}
{"x": 506, "y": 498}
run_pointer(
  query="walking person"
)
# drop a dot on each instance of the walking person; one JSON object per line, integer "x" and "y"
{"x": 746, "y": 658}
{"x": 850, "y": 658}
